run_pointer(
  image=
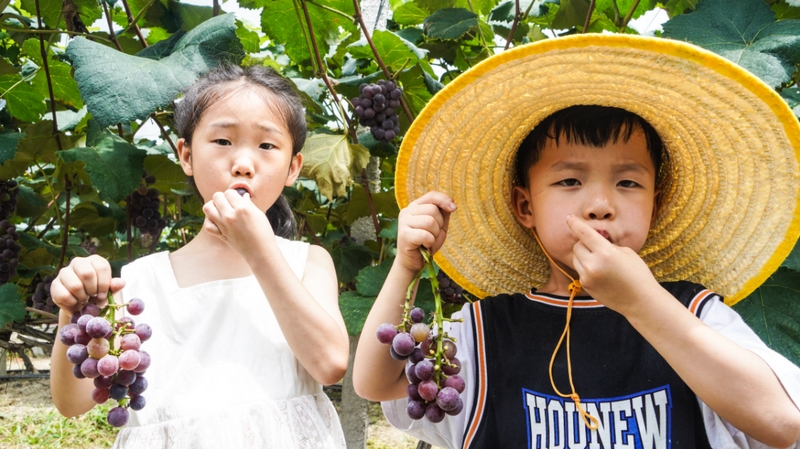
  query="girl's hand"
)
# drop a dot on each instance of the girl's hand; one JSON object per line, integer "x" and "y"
{"x": 614, "y": 275}
{"x": 236, "y": 220}
{"x": 84, "y": 279}
{"x": 423, "y": 223}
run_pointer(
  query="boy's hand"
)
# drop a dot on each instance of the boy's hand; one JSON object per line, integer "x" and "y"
{"x": 84, "y": 279}
{"x": 423, "y": 223}
{"x": 236, "y": 220}
{"x": 614, "y": 275}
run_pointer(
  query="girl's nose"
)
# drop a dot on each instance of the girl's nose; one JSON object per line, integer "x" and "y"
{"x": 242, "y": 166}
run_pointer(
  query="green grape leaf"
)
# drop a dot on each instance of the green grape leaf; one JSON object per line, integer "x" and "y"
{"x": 395, "y": 51}
{"x": 22, "y": 100}
{"x": 786, "y": 11}
{"x": 12, "y": 307}
{"x": 39, "y": 143}
{"x": 65, "y": 89}
{"x": 409, "y": 14}
{"x": 378, "y": 148}
{"x": 169, "y": 174}
{"x": 435, "y": 5}
{"x": 415, "y": 91}
{"x": 793, "y": 259}
{"x": 190, "y": 16}
{"x": 355, "y": 309}
{"x": 31, "y": 203}
{"x": 450, "y": 24}
{"x": 773, "y": 312}
{"x": 607, "y": 7}
{"x": 480, "y": 7}
{"x": 792, "y": 97}
{"x": 384, "y": 203}
{"x": 85, "y": 216}
{"x": 120, "y": 88}
{"x": 8, "y": 145}
{"x": 678, "y": 7}
{"x": 571, "y": 14}
{"x": 503, "y": 13}
{"x": 331, "y": 161}
{"x": 50, "y": 9}
{"x": 162, "y": 48}
{"x": 748, "y": 35}
{"x": 114, "y": 165}
{"x": 370, "y": 279}
{"x": 349, "y": 258}
{"x": 284, "y": 22}
{"x": 249, "y": 39}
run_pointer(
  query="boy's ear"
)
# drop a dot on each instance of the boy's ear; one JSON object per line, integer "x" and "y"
{"x": 294, "y": 168}
{"x": 523, "y": 209}
{"x": 185, "y": 156}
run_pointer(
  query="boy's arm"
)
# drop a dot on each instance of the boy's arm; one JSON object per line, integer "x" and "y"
{"x": 376, "y": 375}
{"x": 733, "y": 381}
{"x": 82, "y": 279}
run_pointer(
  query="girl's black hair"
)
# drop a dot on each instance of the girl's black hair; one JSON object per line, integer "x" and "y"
{"x": 225, "y": 79}
{"x": 594, "y": 126}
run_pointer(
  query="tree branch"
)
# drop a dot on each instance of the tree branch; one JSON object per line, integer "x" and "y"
{"x": 133, "y": 24}
{"x": 46, "y": 65}
{"x": 588, "y": 16}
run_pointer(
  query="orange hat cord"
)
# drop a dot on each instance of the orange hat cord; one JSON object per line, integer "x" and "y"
{"x": 574, "y": 288}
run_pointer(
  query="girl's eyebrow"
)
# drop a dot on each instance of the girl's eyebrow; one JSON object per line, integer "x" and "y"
{"x": 267, "y": 128}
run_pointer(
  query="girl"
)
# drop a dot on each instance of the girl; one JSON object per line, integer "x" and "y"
{"x": 246, "y": 325}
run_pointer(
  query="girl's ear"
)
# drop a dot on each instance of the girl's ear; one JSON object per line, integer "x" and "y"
{"x": 523, "y": 209}
{"x": 294, "y": 168}
{"x": 185, "y": 156}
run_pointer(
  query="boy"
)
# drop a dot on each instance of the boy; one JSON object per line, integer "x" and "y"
{"x": 630, "y": 189}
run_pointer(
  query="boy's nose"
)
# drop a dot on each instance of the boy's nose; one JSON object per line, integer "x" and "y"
{"x": 599, "y": 209}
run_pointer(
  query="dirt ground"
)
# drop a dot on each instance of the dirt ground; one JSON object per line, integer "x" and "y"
{"x": 19, "y": 398}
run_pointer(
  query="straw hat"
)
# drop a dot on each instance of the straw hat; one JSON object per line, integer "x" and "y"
{"x": 729, "y": 212}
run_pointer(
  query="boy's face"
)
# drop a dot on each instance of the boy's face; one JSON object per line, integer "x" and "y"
{"x": 612, "y": 188}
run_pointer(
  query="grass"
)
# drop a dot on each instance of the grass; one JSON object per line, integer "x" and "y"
{"x": 45, "y": 428}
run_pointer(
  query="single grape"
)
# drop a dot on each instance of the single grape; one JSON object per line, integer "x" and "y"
{"x": 428, "y": 390}
{"x": 403, "y": 344}
{"x": 385, "y": 333}
{"x": 456, "y": 382}
{"x": 415, "y": 409}
{"x": 425, "y": 347}
{"x": 108, "y": 365}
{"x": 129, "y": 360}
{"x": 416, "y": 355}
{"x": 97, "y": 327}
{"x": 144, "y": 362}
{"x": 424, "y": 370}
{"x": 97, "y": 347}
{"x": 395, "y": 355}
{"x": 126, "y": 322}
{"x": 411, "y": 374}
{"x": 144, "y": 332}
{"x": 420, "y": 332}
{"x": 125, "y": 377}
{"x": 90, "y": 309}
{"x": 459, "y": 407}
{"x": 81, "y": 337}
{"x": 77, "y": 354}
{"x": 413, "y": 392}
{"x": 450, "y": 348}
{"x": 130, "y": 342}
{"x": 417, "y": 315}
{"x": 100, "y": 396}
{"x": 68, "y": 333}
{"x": 137, "y": 402}
{"x": 76, "y": 371}
{"x": 89, "y": 368}
{"x": 103, "y": 382}
{"x": 83, "y": 320}
{"x": 136, "y": 305}
{"x": 118, "y": 416}
{"x": 118, "y": 391}
{"x": 447, "y": 399}
{"x": 450, "y": 370}
{"x": 138, "y": 386}
{"x": 434, "y": 413}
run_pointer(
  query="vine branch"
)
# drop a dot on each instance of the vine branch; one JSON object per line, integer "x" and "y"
{"x": 65, "y": 227}
{"x": 46, "y": 65}
{"x": 110, "y": 26}
{"x": 133, "y": 24}
{"x": 628, "y": 16}
{"x": 588, "y": 16}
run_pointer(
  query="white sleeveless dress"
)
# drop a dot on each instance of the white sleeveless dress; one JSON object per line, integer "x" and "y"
{"x": 222, "y": 374}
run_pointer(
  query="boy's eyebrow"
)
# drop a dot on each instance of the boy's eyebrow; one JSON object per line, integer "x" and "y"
{"x": 266, "y": 128}
{"x": 579, "y": 165}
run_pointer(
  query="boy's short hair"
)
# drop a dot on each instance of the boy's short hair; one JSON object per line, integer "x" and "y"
{"x": 590, "y": 125}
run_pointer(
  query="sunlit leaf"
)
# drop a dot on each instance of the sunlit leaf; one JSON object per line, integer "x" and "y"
{"x": 330, "y": 160}
{"x": 22, "y": 100}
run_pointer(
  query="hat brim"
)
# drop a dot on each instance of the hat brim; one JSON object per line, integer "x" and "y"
{"x": 730, "y": 211}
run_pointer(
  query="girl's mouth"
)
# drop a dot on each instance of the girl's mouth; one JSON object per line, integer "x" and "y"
{"x": 241, "y": 191}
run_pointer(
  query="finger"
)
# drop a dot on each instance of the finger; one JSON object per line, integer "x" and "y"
{"x": 424, "y": 222}
{"x": 103, "y": 274}
{"x": 61, "y": 295}
{"x": 70, "y": 288}
{"x": 221, "y": 203}
{"x": 236, "y": 200}
{"x": 441, "y": 200}
{"x": 431, "y": 210}
{"x": 211, "y": 227}
{"x": 419, "y": 238}
{"x": 585, "y": 233}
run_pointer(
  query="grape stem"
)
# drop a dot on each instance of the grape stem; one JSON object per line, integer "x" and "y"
{"x": 437, "y": 316}
{"x": 405, "y": 324}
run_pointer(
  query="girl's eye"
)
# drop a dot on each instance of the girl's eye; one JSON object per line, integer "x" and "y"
{"x": 223, "y": 142}
{"x": 628, "y": 183}
{"x": 571, "y": 182}
{"x": 267, "y": 146}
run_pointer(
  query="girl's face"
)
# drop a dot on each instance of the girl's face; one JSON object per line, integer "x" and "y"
{"x": 241, "y": 142}
{"x": 611, "y": 188}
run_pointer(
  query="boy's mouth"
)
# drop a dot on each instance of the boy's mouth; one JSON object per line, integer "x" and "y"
{"x": 605, "y": 234}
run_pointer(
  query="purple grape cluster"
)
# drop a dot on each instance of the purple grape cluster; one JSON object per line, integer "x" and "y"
{"x": 41, "y": 299}
{"x": 9, "y": 251}
{"x": 435, "y": 387}
{"x": 8, "y": 198}
{"x": 450, "y": 291}
{"x": 145, "y": 203}
{"x": 376, "y": 107}
{"x": 118, "y": 373}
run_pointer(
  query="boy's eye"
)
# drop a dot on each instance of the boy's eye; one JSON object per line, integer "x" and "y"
{"x": 266, "y": 146}
{"x": 628, "y": 183}
{"x": 223, "y": 142}
{"x": 571, "y": 182}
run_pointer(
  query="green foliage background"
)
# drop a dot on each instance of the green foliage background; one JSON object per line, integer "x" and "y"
{"x": 72, "y": 108}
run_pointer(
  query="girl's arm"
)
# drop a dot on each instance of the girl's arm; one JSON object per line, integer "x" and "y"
{"x": 307, "y": 310}
{"x": 84, "y": 279}
{"x": 376, "y": 375}
{"x": 733, "y": 381}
